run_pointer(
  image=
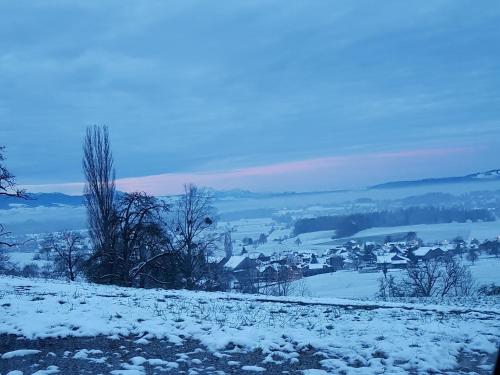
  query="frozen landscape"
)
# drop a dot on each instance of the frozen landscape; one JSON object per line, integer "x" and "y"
{"x": 331, "y": 322}
{"x": 210, "y": 332}
{"x": 228, "y": 187}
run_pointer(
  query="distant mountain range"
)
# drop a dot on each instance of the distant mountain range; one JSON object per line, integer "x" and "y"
{"x": 59, "y": 199}
{"x": 475, "y": 177}
{"x": 42, "y": 199}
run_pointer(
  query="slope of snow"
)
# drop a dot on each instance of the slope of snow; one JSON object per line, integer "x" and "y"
{"x": 439, "y": 232}
{"x": 486, "y": 270}
{"x": 395, "y": 337}
{"x": 342, "y": 284}
{"x": 22, "y": 259}
{"x": 352, "y": 284}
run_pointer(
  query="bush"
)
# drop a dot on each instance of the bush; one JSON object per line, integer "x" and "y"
{"x": 30, "y": 270}
{"x": 489, "y": 290}
{"x": 432, "y": 278}
{"x": 389, "y": 287}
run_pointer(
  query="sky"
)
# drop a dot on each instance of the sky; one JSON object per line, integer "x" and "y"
{"x": 258, "y": 95}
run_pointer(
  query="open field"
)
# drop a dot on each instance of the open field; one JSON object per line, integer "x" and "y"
{"x": 352, "y": 284}
{"x": 303, "y": 333}
{"x": 430, "y": 233}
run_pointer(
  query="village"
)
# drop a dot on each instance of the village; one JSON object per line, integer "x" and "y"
{"x": 255, "y": 272}
{"x": 272, "y": 267}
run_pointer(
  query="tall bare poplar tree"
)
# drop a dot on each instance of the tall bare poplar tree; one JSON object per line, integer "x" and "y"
{"x": 100, "y": 195}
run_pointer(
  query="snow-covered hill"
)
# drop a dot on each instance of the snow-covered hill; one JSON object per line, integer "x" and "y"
{"x": 300, "y": 334}
{"x": 474, "y": 177}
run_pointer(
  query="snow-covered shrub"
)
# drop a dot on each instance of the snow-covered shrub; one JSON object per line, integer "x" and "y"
{"x": 30, "y": 270}
{"x": 389, "y": 287}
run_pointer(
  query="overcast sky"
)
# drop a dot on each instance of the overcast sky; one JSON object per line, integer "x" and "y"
{"x": 260, "y": 95}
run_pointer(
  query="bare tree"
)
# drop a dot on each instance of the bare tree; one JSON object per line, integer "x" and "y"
{"x": 4, "y": 260}
{"x": 423, "y": 277}
{"x": 456, "y": 279}
{"x": 46, "y": 248}
{"x": 460, "y": 245}
{"x": 100, "y": 195}
{"x": 68, "y": 251}
{"x": 388, "y": 287}
{"x": 192, "y": 235}
{"x": 182, "y": 259}
{"x": 140, "y": 234}
{"x": 283, "y": 282}
{"x": 472, "y": 255}
{"x": 438, "y": 278}
{"x": 8, "y": 188}
{"x": 8, "y": 185}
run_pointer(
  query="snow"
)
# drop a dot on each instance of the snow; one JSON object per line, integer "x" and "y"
{"x": 313, "y": 237}
{"x": 431, "y": 233}
{"x": 19, "y": 353}
{"x": 84, "y": 354}
{"x": 50, "y": 370}
{"x": 253, "y": 368}
{"x": 409, "y": 335}
{"x": 422, "y": 251}
{"x": 139, "y": 361}
{"x": 342, "y": 284}
{"x": 353, "y": 284}
{"x": 392, "y": 259}
{"x": 251, "y": 228}
{"x": 486, "y": 270}
{"x": 234, "y": 261}
{"x": 22, "y": 259}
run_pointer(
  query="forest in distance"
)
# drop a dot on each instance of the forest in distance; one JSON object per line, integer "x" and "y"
{"x": 348, "y": 225}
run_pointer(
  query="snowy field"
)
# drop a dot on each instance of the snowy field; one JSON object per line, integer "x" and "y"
{"x": 486, "y": 270}
{"x": 321, "y": 241}
{"x": 251, "y": 228}
{"x": 430, "y": 233}
{"x": 343, "y": 335}
{"x": 352, "y": 284}
{"x": 22, "y": 259}
{"x": 342, "y": 284}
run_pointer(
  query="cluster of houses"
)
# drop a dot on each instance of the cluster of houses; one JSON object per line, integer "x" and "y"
{"x": 250, "y": 271}
{"x": 372, "y": 256}
{"x": 246, "y": 271}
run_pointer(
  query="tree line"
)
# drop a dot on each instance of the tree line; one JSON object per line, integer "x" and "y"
{"x": 347, "y": 225}
{"x": 138, "y": 239}
{"x": 135, "y": 238}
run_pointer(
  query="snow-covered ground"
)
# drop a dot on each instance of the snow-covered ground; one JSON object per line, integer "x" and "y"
{"x": 486, "y": 270}
{"x": 321, "y": 241}
{"x": 355, "y": 337}
{"x": 21, "y": 259}
{"x": 439, "y": 232}
{"x": 353, "y": 284}
{"x": 251, "y": 228}
{"x": 342, "y": 284}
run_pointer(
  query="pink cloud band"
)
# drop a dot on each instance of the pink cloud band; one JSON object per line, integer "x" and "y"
{"x": 334, "y": 172}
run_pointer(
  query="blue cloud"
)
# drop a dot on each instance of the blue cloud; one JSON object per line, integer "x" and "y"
{"x": 188, "y": 86}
